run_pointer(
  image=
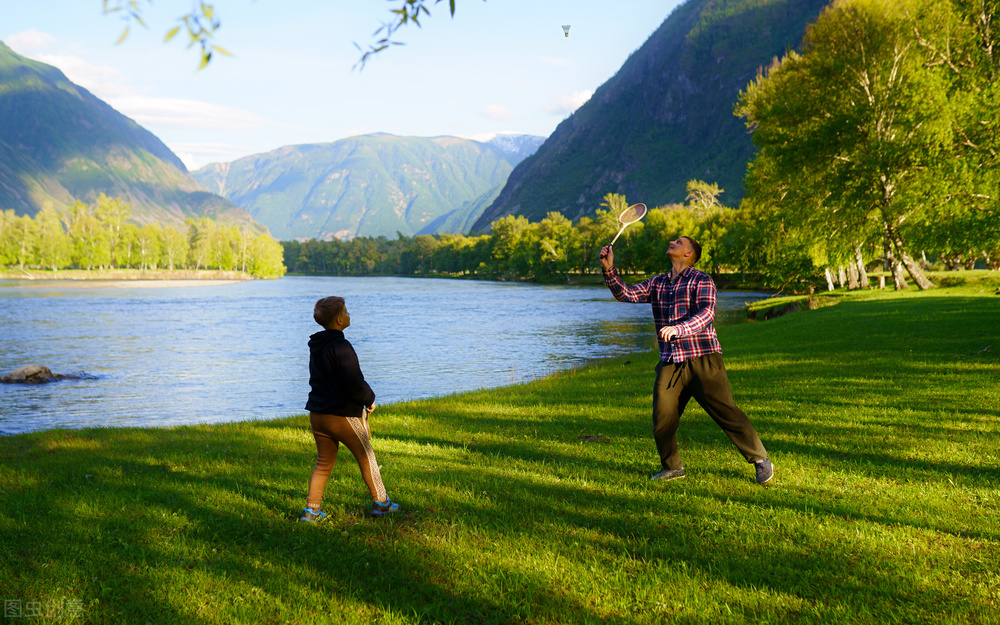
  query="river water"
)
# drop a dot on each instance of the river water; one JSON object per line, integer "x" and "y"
{"x": 166, "y": 355}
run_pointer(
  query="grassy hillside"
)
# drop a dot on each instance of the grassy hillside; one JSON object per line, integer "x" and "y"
{"x": 532, "y": 503}
{"x": 59, "y": 143}
{"x": 371, "y": 185}
{"x": 665, "y": 118}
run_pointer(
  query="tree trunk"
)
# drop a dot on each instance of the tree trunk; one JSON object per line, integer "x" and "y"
{"x": 890, "y": 262}
{"x": 862, "y": 271}
{"x": 829, "y": 279}
{"x": 898, "y": 279}
{"x": 841, "y": 278}
{"x": 852, "y": 277}
{"x": 912, "y": 268}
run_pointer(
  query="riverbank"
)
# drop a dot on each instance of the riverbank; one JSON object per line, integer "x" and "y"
{"x": 724, "y": 282}
{"x": 972, "y": 283}
{"x": 532, "y": 503}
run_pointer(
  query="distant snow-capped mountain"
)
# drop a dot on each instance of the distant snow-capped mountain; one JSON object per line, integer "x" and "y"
{"x": 516, "y": 147}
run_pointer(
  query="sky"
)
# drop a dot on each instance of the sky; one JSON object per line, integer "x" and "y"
{"x": 498, "y": 66}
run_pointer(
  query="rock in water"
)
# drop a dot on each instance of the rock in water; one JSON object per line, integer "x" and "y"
{"x": 31, "y": 374}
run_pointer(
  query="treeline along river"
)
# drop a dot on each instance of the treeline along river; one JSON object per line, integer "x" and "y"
{"x": 161, "y": 355}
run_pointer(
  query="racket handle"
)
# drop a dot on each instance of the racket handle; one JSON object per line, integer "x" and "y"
{"x": 616, "y": 236}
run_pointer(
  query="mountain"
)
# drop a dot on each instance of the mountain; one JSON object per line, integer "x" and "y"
{"x": 370, "y": 185}
{"x": 666, "y": 117}
{"x": 59, "y": 143}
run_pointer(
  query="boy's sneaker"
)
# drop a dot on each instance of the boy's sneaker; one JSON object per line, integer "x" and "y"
{"x": 765, "y": 471}
{"x": 382, "y": 508}
{"x": 669, "y": 474}
{"x": 312, "y": 516}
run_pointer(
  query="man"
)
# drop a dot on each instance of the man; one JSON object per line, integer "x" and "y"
{"x": 690, "y": 365}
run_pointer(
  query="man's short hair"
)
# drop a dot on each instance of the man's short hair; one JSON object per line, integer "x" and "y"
{"x": 328, "y": 309}
{"x": 696, "y": 247}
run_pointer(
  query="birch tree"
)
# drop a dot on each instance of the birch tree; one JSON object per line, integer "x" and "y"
{"x": 851, "y": 134}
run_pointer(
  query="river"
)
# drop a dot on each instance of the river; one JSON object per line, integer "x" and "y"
{"x": 165, "y": 355}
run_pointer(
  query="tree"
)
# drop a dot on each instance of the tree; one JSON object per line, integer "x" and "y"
{"x": 266, "y": 257}
{"x": 556, "y": 236}
{"x": 54, "y": 245}
{"x": 711, "y": 217}
{"x": 12, "y": 238}
{"x": 851, "y": 135}
{"x": 506, "y": 241}
{"x": 25, "y": 239}
{"x": 199, "y": 241}
{"x": 221, "y": 243}
{"x": 961, "y": 39}
{"x": 112, "y": 213}
{"x": 90, "y": 246}
{"x": 174, "y": 246}
{"x": 149, "y": 245}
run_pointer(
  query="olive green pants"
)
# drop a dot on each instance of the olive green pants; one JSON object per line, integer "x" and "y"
{"x": 703, "y": 378}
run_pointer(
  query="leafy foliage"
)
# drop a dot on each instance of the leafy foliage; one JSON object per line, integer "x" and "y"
{"x": 201, "y": 24}
{"x": 100, "y": 236}
{"x": 553, "y": 249}
{"x": 873, "y": 137}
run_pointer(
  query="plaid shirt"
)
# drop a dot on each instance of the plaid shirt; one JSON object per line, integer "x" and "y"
{"x": 687, "y": 304}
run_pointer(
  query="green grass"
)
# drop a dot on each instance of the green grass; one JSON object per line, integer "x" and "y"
{"x": 532, "y": 503}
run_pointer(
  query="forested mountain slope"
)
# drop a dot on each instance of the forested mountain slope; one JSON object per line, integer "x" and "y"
{"x": 370, "y": 185}
{"x": 665, "y": 118}
{"x": 59, "y": 143}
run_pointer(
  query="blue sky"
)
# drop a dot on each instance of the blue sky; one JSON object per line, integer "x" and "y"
{"x": 498, "y": 66}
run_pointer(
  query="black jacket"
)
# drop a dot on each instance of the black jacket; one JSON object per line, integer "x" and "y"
{"x": 337, "y": 385}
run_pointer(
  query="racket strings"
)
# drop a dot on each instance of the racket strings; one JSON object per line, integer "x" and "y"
{"x": 632, "y": 214}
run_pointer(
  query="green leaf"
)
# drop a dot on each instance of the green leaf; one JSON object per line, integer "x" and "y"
{"x": 205, "y": 58}
{"x": 172, "y": 33}
{"x": 221, "y": 50}
{"x": 124, "y": 35}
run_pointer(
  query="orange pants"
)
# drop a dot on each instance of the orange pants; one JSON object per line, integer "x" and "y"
{"x": 331, "y": 430}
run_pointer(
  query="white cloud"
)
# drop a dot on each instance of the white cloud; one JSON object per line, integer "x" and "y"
{"x": 155, "y": 113}
{"x": 564, "y": 105}
{"x": 182, "y": 113}
{"x": 28, "y": 40}
{"x": 103, "y": 81}
{"x": 498, "y": 112}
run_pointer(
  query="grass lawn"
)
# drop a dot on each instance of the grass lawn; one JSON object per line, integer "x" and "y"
{"x": 532, "y": 503}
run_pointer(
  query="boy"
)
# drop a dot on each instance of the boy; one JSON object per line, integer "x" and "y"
{"x": 339, "y": 404}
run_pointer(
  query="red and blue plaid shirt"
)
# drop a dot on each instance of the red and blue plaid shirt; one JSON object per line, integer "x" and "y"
{"x": 687, "y": 304}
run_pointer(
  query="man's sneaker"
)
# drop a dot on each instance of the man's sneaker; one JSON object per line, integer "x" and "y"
{"x": 669, "y": 474}
{"x": 382, "y": 508}
{"x": 312, "y": 516}
{"x": 765, "y": 471}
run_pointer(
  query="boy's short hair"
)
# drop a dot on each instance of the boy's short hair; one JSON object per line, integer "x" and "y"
{"x": 696, "y": 247}
{"x": 328, "y": 309}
